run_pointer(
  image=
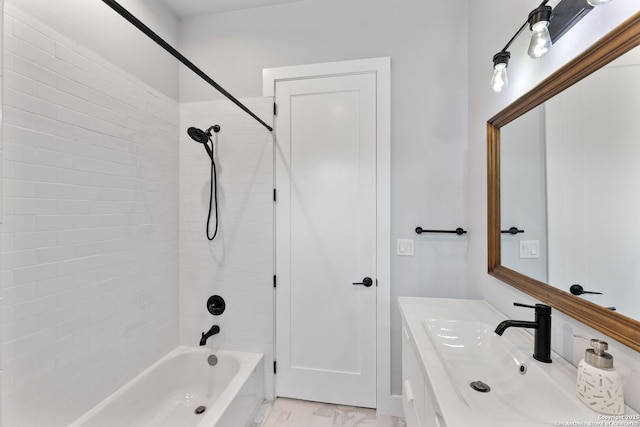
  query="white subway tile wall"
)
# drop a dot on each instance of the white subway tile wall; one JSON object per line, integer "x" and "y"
{"x": 90, "y": 226}
{"x": 238, "y": 263}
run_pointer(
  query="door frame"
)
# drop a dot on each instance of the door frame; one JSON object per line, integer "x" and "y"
{"x": 387, "y": 403}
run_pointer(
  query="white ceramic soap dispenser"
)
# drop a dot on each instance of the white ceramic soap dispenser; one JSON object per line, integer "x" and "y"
{"x": 599, "y": 385}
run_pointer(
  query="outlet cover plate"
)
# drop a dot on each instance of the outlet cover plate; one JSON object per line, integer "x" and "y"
{"x": 404, "y": 247}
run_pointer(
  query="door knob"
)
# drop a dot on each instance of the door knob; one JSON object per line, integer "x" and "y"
{"x": 366, "y": 282}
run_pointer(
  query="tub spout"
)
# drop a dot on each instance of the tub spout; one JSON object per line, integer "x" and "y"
{"x": 215, "y": 329}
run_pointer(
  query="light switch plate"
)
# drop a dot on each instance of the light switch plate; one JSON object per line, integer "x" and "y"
{"x": 404, "y": 247}
{"x": 529, "y": 249}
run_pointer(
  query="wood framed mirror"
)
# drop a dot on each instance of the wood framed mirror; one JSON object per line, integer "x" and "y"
{"x": 615, "y": 325}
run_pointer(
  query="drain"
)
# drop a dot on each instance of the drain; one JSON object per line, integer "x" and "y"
{"x": 212, "y": 360}
{"x": 200, "y": 409}
{"x": 480, "y": 386}
{"x": 522, "y": 369}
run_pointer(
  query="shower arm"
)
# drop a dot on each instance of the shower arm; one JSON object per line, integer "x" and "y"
{"x": 166, "y": 46}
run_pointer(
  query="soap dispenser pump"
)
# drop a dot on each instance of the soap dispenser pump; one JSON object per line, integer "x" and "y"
{"x": 599, "y": 385}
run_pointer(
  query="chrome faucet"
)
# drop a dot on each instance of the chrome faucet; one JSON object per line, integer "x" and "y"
{"x": 215, "y": 329}
{"x": 542, "y": 333}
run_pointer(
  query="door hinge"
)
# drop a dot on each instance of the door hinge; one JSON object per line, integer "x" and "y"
{"x": 275, "y": 109}
{"x": 274, "y": 194}
{"x": 274, "y": 367}
{"x": 274, "y": 281}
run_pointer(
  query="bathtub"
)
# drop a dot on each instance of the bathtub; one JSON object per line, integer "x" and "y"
{"x": 172, "y": 390}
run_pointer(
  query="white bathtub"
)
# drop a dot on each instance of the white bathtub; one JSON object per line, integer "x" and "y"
{"x": 169, "y": 391}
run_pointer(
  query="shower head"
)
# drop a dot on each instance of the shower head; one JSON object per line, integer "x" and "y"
{"x": 198, "y": 135}
{"x": 203, "y": 137}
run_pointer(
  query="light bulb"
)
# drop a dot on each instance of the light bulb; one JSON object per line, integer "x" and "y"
{"x": 540, "y": 40}
{"x": 499, "y": 79}
{"x": 597, "y": 2}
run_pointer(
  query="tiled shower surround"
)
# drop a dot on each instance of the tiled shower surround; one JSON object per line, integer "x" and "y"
{"x": 238, "y": 264}
{"x": 90, "y": 226}
{"x": 105, "y": 263}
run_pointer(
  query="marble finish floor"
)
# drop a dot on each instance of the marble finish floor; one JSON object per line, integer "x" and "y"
{"x": 300, "y": 413}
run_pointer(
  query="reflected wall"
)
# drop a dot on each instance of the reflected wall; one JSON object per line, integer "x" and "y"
{"x": 593, "y": 167}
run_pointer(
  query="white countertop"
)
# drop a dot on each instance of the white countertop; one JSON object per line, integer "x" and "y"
{"x": 452, "y": 408}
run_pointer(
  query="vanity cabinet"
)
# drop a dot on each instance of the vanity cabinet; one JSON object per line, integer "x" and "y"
{"x": 418, "y": 400}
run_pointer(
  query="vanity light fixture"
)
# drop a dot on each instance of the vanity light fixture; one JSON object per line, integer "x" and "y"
{"x": 548, "y": 25}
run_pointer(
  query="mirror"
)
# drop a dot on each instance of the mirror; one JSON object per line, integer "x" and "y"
{"x": 556, "y": 181}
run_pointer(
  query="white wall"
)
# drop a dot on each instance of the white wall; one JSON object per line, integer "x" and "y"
{"x": 99, "y": 29}
{"x": 90, "y": 232}
{"x": 493, "y": 23}
{"x": 426, "y": 41}
{"x": 238, "y": 263}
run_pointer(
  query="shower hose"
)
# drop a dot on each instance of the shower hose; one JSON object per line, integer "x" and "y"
{"x": 213, "y": 198}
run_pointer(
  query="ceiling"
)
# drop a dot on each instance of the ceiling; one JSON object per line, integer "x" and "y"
{"x": 186, "y": 8}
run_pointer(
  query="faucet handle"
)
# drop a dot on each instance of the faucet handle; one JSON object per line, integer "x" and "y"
{"x": 542, "y": 309}
{"x": 518, "y": 304}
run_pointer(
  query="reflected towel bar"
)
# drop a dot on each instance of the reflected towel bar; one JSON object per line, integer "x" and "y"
{"x": 459, "y": 231}
{"x": 512, "y": 230}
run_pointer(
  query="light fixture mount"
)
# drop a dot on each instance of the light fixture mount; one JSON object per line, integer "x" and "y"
{"x": 539, "y": 14}
{"x": 565, "y": 15}
{"x": 501, "y": 58}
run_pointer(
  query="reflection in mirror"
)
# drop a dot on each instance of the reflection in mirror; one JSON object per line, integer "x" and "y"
{"x": 569, "y": 169}
{"x": 523, "y": 194}
{"x": 569, "y": 182}
{"x": 593, "y": 166}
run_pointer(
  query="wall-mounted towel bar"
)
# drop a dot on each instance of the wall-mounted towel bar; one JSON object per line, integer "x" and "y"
{"x": 459, "y": 231}
{"x": 512, "y": 230}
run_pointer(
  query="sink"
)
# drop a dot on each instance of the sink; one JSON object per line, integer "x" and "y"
{"x": 521, "y": 388}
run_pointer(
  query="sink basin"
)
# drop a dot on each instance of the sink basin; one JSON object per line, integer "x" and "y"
{"x": 521, "y": 388}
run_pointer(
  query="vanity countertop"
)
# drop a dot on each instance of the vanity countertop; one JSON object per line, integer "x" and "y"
{"x": 452, "y": 404}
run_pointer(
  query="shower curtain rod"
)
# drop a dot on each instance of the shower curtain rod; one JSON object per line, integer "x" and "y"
{"x": 166, "y": 46}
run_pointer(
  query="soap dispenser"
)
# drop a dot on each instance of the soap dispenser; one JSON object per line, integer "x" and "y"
{"x": 599, "y": 385}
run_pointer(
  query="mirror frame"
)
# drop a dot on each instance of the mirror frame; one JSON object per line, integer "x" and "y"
{"x": 615, "y": 325}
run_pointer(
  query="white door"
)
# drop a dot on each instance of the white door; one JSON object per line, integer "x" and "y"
{"x": 326, "y": 239}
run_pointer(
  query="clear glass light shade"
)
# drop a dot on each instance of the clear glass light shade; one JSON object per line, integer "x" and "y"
{"x": 540, "y": 40}
{"x": 597, "y": 2}
{"x": 499, "y": 79}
